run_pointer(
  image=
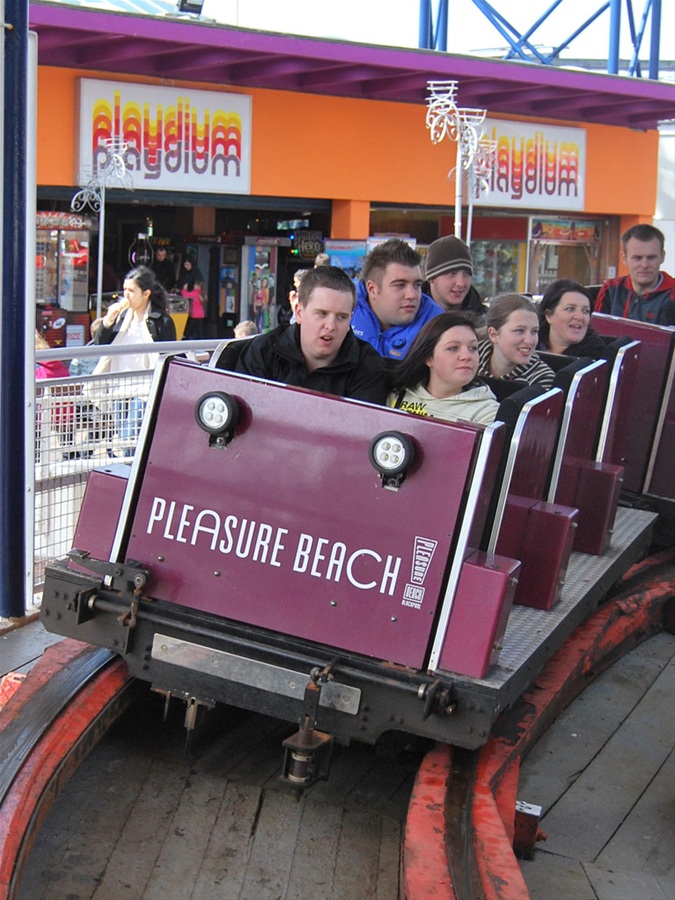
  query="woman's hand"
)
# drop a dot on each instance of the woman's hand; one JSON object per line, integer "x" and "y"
{"x": 115, "y": 310}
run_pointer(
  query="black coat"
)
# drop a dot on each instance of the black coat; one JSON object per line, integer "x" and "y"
{"x": 165, "y": 273}
{"x": 591, "y": 345}
{"x": 471, "y": 303}
{"x": 160, "y": 326}
{"x": 357, "y": 372}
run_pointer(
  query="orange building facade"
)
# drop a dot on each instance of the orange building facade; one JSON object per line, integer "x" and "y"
{"x": 371, "y": 165}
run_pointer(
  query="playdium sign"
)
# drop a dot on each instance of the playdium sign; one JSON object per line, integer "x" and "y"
{"x": 538, "y": 166}
{"x": 173, "y": 138}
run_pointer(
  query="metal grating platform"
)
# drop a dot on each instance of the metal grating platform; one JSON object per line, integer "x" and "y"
{"x": 533, "y": 635}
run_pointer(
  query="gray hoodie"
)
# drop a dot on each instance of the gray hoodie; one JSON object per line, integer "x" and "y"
{"x": 476, "y": 404}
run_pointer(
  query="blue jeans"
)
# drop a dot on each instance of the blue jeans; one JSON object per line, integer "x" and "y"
{"x": 128, "y": 418}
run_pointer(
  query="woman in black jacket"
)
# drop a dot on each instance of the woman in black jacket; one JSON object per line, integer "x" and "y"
{"x": 140, "y": 318}
{"x": 564, "y": 321}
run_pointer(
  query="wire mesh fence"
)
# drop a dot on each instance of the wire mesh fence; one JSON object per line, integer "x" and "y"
{"x": 82, "y": 423}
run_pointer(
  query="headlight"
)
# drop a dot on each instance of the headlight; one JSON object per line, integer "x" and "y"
{"x": 217, "y": 413}
{"x": 392, "y": 454}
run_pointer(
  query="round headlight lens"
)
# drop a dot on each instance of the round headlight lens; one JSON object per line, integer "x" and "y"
{"x": 216, "y": 412}
{"x": 391, "y": 452}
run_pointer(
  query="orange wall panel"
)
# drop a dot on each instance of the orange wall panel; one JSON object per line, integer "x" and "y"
{"x": 56, "y": 111}
{"x": 621, "y": 170}
{"x": 336, "y": 148}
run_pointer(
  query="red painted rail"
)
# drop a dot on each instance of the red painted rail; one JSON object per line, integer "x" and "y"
{"x": 642, "y": 609}
{"x": 64, "y": 741}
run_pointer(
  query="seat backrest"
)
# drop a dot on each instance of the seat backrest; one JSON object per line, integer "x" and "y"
{"x": 532, "y": 417}
{"x": 226, "y": 353}
{"x": 585, "y": 388}
{"x": 565, "y": 375}
{"x": 649, "y": 391}
{"x": 613, "y": 345}
{"x": 616, "y": 442}
{"x": 502, "y": 388}
{"x": 660, "y": 477}
{"x": 555, "y": 361}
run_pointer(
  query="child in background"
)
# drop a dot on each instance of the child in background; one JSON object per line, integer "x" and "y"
{"x": 62, "y": 412}
{"x": 245, "y": 329}
{"x": 194, "y": 330}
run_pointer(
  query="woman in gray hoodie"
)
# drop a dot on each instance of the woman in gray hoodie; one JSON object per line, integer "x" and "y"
{"x": 438, "y": 376}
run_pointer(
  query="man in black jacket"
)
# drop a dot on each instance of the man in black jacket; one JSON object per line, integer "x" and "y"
{"x": 319, "y": 351}
{"x": 449, "y": 271}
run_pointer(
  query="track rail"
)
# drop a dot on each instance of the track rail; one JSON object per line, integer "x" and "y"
{"x": 71, "y": 698}
{"x": 458, "y": 842}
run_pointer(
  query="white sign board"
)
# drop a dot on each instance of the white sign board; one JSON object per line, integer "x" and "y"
{"x": 536, "y": 166}
{"x": 176, "y": 138}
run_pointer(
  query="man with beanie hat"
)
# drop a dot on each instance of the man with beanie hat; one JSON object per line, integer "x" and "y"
{"x": 449, "y": 271}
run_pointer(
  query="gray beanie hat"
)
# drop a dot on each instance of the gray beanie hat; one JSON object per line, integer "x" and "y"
{"x": 447, "y": 254}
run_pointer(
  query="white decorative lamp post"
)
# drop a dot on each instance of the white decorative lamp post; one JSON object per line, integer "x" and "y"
{"x": 446, "y": 119}
{"x": 479, "y": 176}
{"x": 113, "y": 171}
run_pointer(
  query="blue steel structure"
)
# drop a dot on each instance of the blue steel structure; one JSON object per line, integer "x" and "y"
{"x": 12, "y": 329}
{"x": 433, "y": 35}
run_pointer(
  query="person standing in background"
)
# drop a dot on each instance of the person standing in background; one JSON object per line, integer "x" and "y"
{"x": 190, "y": 274}
{"x": 141, "y": 317}
{"x": 164, "y": 269}
{"x": 194, "y": 329}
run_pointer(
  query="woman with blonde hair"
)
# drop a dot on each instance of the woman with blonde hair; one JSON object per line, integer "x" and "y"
{"x": 509, "y": 350}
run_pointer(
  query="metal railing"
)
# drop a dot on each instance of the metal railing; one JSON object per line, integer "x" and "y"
{"x": 82, "y": 423}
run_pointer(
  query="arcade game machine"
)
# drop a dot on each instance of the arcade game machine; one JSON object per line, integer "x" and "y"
{"x": 347, "y": 255}
{"x": 62, "y": 277}
{"x": 259, "y": 299}
{"x": 563, "y": 248}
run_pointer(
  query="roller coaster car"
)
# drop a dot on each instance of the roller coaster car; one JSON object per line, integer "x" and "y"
{"x": 647, "y": 423}
{"x": 318, "y": 559}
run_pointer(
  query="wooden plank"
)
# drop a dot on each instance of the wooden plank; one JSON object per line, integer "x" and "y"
{"x": 667, "y": 883}
{"x": 315, "y": 850}
{"x": 582, "y": 822}
{"x": 113, "y": 778}
{"x": 349, "y": 766}
{"x": 389, "y": 862}
{"x": 644, "y": 840}
{"x": 383, "y": 781}
{"x": 269, "y": 863}
{"x": 580, "y": 732}
{"x": 620, "y": 885}
{"x": 223, "y": 868}
{"x": 357, "y": 863}
{"x": 548, "y": 876}
{"x": 260, "y": 757}
{"x": 140, "y": 841}
{"x": 180, "y": 859}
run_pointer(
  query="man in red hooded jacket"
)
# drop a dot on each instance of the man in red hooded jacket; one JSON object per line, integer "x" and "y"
{"x": 646, "y": 294}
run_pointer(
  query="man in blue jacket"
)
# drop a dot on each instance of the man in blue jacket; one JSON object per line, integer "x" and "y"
{"x": 390, "y": 306}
